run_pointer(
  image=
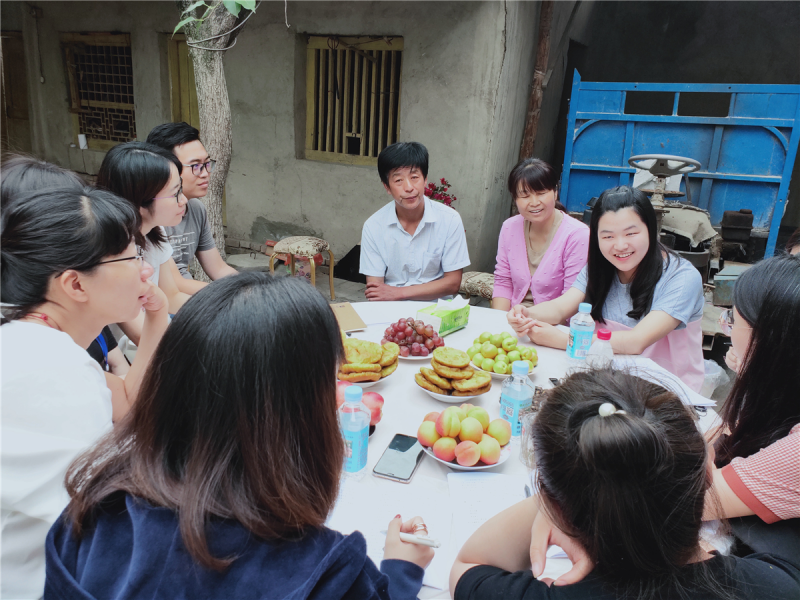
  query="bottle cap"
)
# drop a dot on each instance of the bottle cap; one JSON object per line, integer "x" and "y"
{"x": 603, "y": 334}
{"x": 352, "y": 393}
{"x": 584, "y": 307}
{"x": 520, "y": 367}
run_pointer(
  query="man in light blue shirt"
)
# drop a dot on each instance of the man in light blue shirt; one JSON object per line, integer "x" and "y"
{"x": 413, "y": 248}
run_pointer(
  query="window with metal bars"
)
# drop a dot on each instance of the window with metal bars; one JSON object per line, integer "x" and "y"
{"x": 100, "y": 74}
{"x": 352, "y": 97}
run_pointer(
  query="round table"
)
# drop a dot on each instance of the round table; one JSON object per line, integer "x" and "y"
{"x": 406, "y": 404}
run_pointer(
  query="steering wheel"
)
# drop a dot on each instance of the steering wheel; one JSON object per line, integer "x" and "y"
{"x": 665, "y": 165}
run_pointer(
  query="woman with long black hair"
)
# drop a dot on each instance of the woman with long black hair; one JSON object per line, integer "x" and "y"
{"x": 220, "y": 482}
{"x": 647, "y": 296}
{"x": 758, "y": 445}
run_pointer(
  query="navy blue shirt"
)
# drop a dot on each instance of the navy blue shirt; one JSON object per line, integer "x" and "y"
{"x": 134, "y": 550}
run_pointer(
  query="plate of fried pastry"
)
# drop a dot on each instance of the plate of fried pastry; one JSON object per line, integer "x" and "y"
{"x": 367, "y": 362}
{"x": 450, "y": 378}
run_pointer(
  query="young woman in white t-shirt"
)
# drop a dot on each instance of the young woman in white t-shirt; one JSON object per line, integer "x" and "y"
{"x": 149, "y": 178}
{"x": 69, "y": 266}
{"x": 647, "y": 296}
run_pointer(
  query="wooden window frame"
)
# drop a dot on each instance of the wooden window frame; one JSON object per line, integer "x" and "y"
{"x": 68, "y": 40}
{"x": 363, "y": 53}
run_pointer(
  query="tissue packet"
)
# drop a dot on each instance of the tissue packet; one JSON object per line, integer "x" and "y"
{"x": 444, "y": 317}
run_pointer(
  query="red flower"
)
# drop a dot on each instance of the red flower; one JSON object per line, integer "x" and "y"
{"x": 444, "y": 182}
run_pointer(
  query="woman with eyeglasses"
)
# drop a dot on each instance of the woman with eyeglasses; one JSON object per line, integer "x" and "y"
{"x": 68, "y": 267}
{"x": 758, "y": 445}
{"x": 149, "y": 178}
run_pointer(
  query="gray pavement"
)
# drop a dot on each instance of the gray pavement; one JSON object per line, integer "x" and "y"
{"x": 345, "y": 291}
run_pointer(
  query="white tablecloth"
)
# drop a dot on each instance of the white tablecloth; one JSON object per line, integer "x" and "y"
{"x": 406, "y": 405}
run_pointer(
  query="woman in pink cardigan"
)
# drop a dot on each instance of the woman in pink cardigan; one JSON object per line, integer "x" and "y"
{"x": 542, "y": 249}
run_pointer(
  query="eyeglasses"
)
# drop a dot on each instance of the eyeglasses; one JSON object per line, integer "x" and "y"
{"x": 197, "y": 169}
{"x": 726, "y": 321}
{"x": 139, "y": 256}
{"x": 176, "y": 196}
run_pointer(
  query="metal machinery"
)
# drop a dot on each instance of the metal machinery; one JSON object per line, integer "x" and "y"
{"x": 662, "y": 166}
{"x": 743, "y": 159}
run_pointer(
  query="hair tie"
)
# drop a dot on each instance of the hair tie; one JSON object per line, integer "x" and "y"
{"x": 607, "y": 409}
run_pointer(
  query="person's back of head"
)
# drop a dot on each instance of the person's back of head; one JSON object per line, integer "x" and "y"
{"x": 24, "y": 174}
{"x": 402, "y": 154}
{"x": 169, "y": 135}
{"x": 138, "y": 171}
{"x": 622, "y": 468}
{"x": 236, "y": 417}
{"x": 45, "y": 233}
{"x": 762, "y": 405}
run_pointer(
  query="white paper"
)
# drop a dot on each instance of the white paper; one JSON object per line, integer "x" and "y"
{"x": 648, "y": 369}
{"x": 477, "y": 497}
{"x": 369, "y": 505}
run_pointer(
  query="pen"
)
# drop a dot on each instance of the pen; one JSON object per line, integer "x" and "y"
{"x": 415, "y": 539}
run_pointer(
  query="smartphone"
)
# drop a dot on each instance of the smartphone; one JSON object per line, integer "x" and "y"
{"x": 400, "y": 459}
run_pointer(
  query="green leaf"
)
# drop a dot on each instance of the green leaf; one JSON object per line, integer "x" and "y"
{"x": 248, "y": 4}
{"x": 232, "y": 6}
{"x": 182, "y": 23}
{"x": 193, "y": 6}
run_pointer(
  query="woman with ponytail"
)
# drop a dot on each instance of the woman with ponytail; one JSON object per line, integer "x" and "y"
{"x": 623, "y": 470}
{"x": 69, "y": 267}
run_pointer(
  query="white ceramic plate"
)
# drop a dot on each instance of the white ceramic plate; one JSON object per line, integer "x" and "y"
{"x": 409, "y": 357}
{"x": 366, "y": 384}
{"x": 498, "y": 375}
{"x": 505, "y": 452}
{"x": 450, "y": 399}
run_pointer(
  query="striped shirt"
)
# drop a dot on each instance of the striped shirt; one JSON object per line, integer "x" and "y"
{"x": 768, "y": 482}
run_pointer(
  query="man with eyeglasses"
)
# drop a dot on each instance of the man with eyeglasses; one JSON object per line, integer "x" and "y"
{"x": 192, "y": 237}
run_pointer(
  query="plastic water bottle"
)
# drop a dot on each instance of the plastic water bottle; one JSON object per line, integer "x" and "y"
{"x": 354, "y": 421}
{"x": 601, "y": 354}
{"x": 581, "y": 330}
{"x": 516, "y": 395}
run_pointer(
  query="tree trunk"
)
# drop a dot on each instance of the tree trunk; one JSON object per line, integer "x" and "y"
{"x": 535, "y": 100}
{"x": 212, "y": 101}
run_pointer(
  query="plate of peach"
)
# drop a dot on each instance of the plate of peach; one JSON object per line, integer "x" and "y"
{"x": 464, "y": 438}
{"x": 479, "y": 466}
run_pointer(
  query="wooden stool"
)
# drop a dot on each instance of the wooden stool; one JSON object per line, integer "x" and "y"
{"x": 307, "y": 247}
{"x": 475, "y": 283}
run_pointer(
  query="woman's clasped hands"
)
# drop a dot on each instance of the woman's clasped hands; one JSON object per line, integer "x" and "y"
{"x": 539, "y": 332}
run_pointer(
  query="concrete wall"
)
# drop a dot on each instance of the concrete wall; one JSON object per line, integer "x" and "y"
{"x": 467, "y": 68}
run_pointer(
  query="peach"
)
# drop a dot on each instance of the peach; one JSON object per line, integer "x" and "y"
{"x": 340, "y": 386}
{"x": 481, "y": 415}
{"x": 462, "y": 414}
{"x": 471, "y": 430}
{"x": 486, "y": 436}
{"x": 466, "y": 407}
{"x": 448, "y": 424}
{"x": 445, "y": 449}
{"x": 426, "y": 434}
{"x": 431, "y": 416}
{"x": 467, "y": 454}
{"x": 374, "y": 403}
{"x": 500, "y": 430}
{"x": 490, "y": 450}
